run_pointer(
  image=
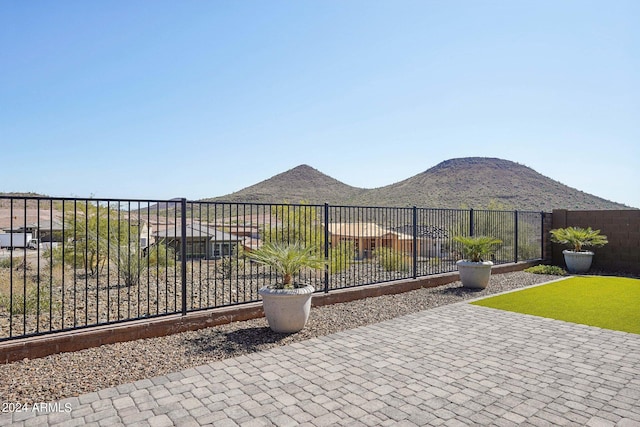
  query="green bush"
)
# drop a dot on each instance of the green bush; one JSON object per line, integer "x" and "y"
{"x": 393, "y": 260}
{"x": 287, "y": 259}
{"x": 341, "y": 257}
{"x": 546, "y": 269}
{"x": 577, "y": 237}
{"x": 28, "y": 305}
{"x": 435, "y": 262}
{"x": 475, "y": 248}
{"x": 7, "y": 263}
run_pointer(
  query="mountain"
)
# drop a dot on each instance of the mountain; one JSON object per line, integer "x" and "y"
{"x": 163, "y": 206}
{"x": 475, "y": 182}
{"x": 302, "y": 183}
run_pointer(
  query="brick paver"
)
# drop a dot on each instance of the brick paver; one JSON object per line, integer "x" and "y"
{"x": 454, "y": 365}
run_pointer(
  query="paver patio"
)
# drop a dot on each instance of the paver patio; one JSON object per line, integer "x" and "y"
{"x": 453, "y": 365}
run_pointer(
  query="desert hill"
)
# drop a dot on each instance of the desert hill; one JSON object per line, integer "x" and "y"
{"x": 475, "y": 182}
{"x": 300, "y": 183}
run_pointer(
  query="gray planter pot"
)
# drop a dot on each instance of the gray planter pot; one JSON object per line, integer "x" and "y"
{"x": 577, "y": 262}
{"x": 474, "y": 275}
{"x": 287, "y": 310}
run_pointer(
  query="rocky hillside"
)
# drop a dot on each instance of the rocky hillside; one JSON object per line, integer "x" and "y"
{"x": 302, "y": 183}
{"x": 476, "y": 182}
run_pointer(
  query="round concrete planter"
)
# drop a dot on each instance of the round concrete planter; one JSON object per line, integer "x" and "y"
{"x": 474, "y": 275}
{"x": 578, "y": 262}
{"x": 287, "y": 310}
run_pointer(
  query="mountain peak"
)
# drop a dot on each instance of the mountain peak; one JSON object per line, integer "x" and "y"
{"x": 302, "y": 183}
{"x": 303, "y": 171}
{"x": 469, "y": 162}
{"x": 473, "y": 182}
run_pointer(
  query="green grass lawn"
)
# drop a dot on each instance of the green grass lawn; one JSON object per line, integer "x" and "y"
{"x": 606, "y": 302}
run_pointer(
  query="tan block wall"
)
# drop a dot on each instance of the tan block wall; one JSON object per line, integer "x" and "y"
{"x": 622, "y": 228}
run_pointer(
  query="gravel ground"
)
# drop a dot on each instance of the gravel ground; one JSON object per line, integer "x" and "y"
{"x": 71, "y": 374}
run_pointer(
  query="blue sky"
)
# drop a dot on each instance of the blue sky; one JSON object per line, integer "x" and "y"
{"x": 162, "y": 99}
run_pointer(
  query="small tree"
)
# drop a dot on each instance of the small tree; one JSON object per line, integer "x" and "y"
{"x": 295, "y": 223}
{"x": 93, "y": 231}
{"x": 577, "y": 237}
{"x": 133, "y": 263}
{"x": 475, "y": 248}
{"x": 287, "y": 260}
{"x": 302, "y": 223}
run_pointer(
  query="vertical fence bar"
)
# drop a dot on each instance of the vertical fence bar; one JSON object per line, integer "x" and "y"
{"x": 86, "y": 260}
{"x": 183, "y": 253}
{"x": 50, "y": 264}
{"x": 128, "y": 261}
{"x": 146, "y": 253}
{"x": 209, "y": 255}
{"x": 97, "y": 270}
{"x": 192, "y": 255}
{"x": 11, "y": 270}
{"x": 24, "y": 270}
{"x": 37, "y": 268}
{"x": 415, "y": 241}
{"x": 542, "y": 217}
{"x": 119, "y": 258}
{"x": 75, "y": 259}
{"x": 109, "y": 258}
{"x": 326, "y": 248}
{"x": 134, "y": 246}
{"x": 471, "y": 222}
{"x": 515, "y": 236}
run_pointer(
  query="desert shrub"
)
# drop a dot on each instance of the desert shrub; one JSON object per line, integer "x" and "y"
{"x": 133, "y": 263}
{"x": 36, "y": 301}
{"x": 7, "y": 263}
{"x": 527, "y": 251}
{"x": 228, "y": 266}
{"x": 91, "y": 231}
{"x": 393, "y": 260}
{"x": 296, "y": 223}
{"x": 546, "y": 269}
{"x": 341, "y": 257}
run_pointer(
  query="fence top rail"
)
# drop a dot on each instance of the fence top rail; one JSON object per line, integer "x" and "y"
{"x": 221, "y": 202}
{"x": 505, "y": 211}
{"x": 90, "y": 199}
{"x": 177, "y": 201}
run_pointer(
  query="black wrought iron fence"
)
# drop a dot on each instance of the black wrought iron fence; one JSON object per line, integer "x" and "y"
{"x": 68, "y": 263}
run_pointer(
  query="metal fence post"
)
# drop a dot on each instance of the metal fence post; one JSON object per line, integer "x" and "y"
{"x": 471, "y": 224}
{"x": 415, "y": 242}
{"x": 515, "y": 237}
{"x": 542, "y": 254}
{"x": 326, "y": 248}
{"x": 183, "y": 253}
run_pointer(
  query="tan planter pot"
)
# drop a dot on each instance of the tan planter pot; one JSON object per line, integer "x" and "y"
{"x": 287, "y": 310}
{"x": 474, "y": 275}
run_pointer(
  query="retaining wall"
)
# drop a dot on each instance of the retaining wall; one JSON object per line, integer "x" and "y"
{"x": 45, "y": 345}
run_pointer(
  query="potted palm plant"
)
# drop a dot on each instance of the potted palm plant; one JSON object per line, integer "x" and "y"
{"x": 577, "y": 259}
{"x": 286, "y": 302}
{"x": 474, "y": 270}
